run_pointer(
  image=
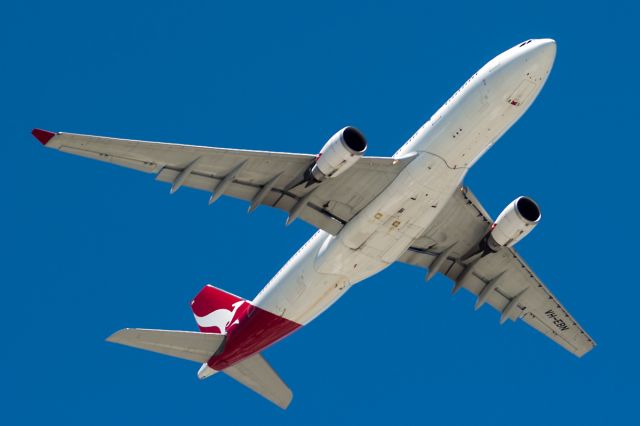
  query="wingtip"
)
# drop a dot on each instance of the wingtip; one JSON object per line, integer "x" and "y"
{"x": 286, "y": 400}
{"x": 115, "y": 337}
{"x": 43, "y": 136}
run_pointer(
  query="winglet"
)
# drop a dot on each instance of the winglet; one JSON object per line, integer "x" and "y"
{"x": 43, "y": 136}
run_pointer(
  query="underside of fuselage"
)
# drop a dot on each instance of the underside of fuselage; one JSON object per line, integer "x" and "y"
{"x": 443, "y": 150}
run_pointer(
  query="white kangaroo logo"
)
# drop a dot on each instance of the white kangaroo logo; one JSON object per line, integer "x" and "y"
{"x": 220, "y": 318}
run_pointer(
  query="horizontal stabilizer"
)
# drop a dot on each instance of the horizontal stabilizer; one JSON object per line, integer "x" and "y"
{"x": 256, "y": 374}
{"x": 189, "y": 345}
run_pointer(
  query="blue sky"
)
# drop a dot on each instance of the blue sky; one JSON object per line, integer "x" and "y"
{"x": 89, "y": 248}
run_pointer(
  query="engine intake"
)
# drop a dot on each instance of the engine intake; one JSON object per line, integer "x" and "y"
{"x": 514, "y": 223}
{"x": 339, "y": 153}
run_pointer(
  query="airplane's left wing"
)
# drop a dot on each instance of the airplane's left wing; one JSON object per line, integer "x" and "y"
{"x": 260, "y": 177}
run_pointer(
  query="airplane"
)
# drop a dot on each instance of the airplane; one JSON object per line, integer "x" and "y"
{"x": 370, "y": 212}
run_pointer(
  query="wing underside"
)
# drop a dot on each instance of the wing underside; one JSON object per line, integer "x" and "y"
{"x": 502, "y": 280}
{"x": 259, "y": 177}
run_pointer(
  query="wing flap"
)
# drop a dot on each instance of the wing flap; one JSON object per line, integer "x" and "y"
{"x": 256, "y": 374}
{"x": 193, "y": 346}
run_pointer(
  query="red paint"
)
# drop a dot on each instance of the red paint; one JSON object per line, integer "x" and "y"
{"x": 210, "y": 299}
{"x": 257, "y": 330}
{"x": 44, "y": 136}
{"x": 250, "y": 330}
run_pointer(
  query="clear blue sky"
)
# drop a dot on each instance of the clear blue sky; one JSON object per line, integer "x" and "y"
{"x": 89, "y": 248}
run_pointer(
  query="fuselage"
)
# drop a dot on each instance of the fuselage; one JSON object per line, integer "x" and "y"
{"x": 442, "y": 152}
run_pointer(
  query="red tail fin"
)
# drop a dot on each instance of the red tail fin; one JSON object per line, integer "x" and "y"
{"x": 216, "y": 311}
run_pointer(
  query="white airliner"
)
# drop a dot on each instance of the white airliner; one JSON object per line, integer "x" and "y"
{"x": 369, "y": 211}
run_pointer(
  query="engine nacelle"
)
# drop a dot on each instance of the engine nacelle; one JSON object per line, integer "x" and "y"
{"x": 514, "y": 223}
{"x": 339, "y": 154}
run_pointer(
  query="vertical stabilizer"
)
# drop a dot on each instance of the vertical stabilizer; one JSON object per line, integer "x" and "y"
{"x": 216, "y": 311}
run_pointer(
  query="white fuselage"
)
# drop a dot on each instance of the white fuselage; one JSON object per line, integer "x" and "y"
{"x": 443, "y": 150}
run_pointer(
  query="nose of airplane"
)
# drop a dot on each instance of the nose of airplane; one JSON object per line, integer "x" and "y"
{"x": 542, "y": 51}
{"x": 546, "y": 47}
{"x": 533, "y": 57}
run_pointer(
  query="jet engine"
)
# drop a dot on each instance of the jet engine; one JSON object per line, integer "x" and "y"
{"x": 338, "y": 154}
{"x": 513, "y": 224}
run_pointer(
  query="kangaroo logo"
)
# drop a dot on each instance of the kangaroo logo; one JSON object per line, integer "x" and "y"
{"x": 220, "y": 318}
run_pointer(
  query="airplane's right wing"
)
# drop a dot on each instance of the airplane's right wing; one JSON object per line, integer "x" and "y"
{"x": 502, "y": 280}
{"x": 260, "y": 177}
